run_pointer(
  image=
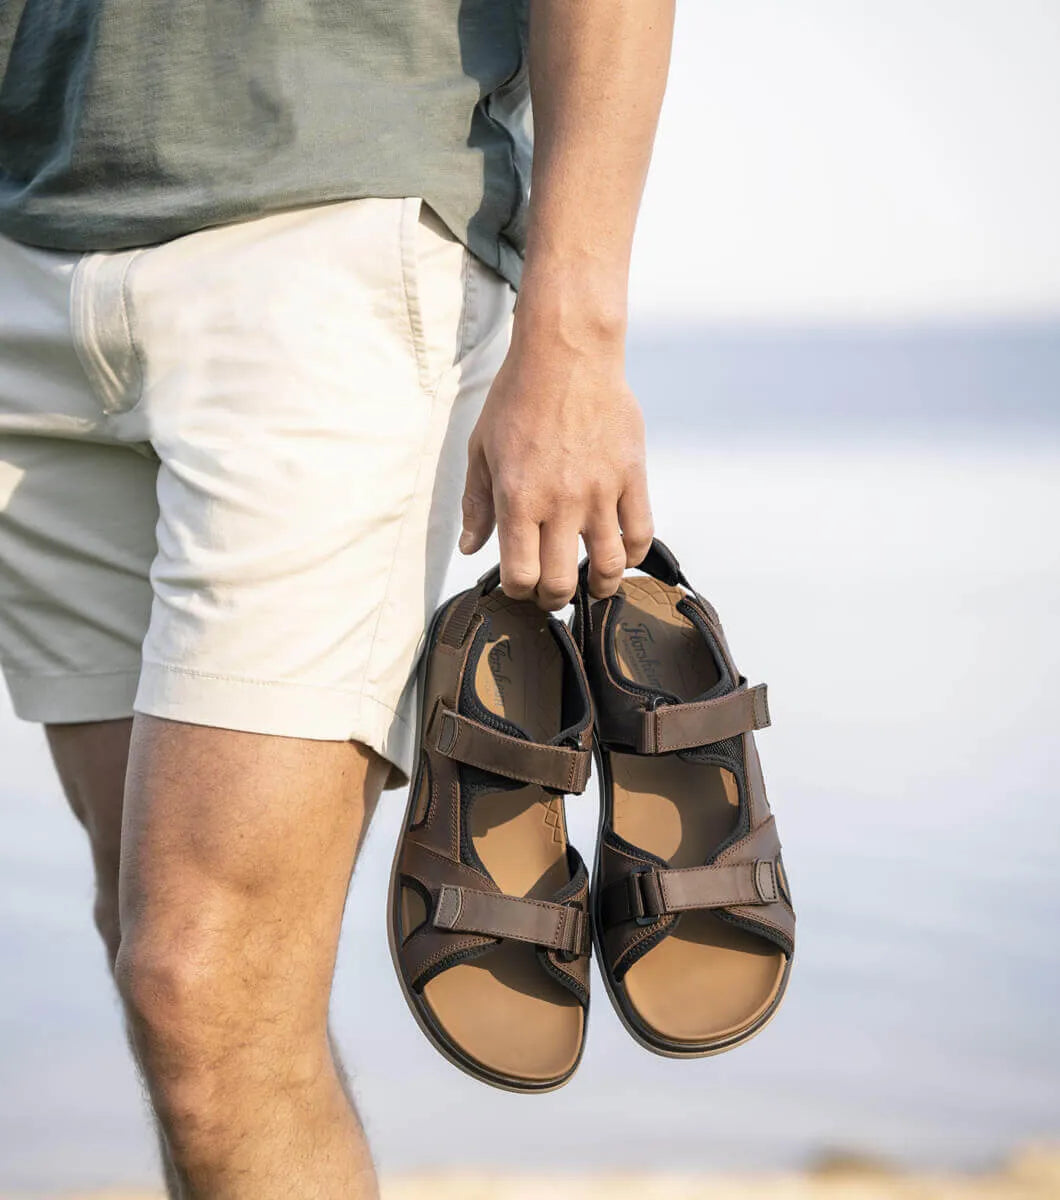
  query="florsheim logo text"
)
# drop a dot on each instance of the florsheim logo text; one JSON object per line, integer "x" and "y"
{"x": 640, "y": 644}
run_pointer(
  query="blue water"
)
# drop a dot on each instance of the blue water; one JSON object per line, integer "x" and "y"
{"x": 875, "y": 515}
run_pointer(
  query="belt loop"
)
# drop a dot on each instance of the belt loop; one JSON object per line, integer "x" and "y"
{"x": 766, "y": 881}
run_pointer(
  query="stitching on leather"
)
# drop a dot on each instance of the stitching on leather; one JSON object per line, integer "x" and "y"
{"x": 718, "y": 704}
{"x": 454, "y": 820}
{"x": 561, "y": 918}
{"x": 546, "y": 904}
{"x": 460, "y": 944}
{"x": 566, "y": 978}
{"x": 755, "y": 919}
{"x": 649, "y": 931}
{"x": 494, "y": 932}
{"x": 625, "y": 854}
{"x": 562, "y": 969}
{"x": 487, "y": 766}
{"x": 732, "y": 851}
{"x": 465, "y": 757}
{"x": 442, "y": 858}
{"x": 709, "y": 867}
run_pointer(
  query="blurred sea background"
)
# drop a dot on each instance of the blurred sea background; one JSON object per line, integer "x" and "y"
{"x": 846, "y": 338}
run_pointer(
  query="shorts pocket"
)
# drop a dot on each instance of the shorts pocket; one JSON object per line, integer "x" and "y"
{"x": 438, "y": 274}
{"x": 102, "y": 326}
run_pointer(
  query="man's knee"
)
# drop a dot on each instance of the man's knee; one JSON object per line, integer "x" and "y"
{"x": 185, "y": 1027}
{"x": 184, "y": 980}
{"x": 165, "y": 988}
{"x": 201, "y": 1004}
{"x": 211, "y": 1029}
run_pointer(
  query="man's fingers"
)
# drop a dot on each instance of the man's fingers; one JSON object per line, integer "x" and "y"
{"x": 520, "y": 554}
{"x": 634, "y": 515}
{"x": 477, "y": 504}
{"x": 607, "y": 556}
{"x": 559, "y": 565}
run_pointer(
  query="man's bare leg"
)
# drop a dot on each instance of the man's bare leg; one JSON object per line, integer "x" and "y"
{"x": 236, "y": 857}
{"x": 91, "y": 761}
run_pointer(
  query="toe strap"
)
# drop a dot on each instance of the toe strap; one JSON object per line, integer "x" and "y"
{"x": 671, "y": 727}
{"x": 745, "y": 884}
{"x": 649, "y": 893}
{"x": 559, "y": 768}
{"x": 563, "y": 927}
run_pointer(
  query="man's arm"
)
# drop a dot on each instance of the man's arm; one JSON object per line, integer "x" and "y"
{"x": 559, "y": 447}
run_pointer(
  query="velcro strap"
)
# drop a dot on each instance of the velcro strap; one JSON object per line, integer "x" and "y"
{"x": 555, "y": 926}
{"x": 562, "y": 768}
{"x": 645, "y": 896}
{"x": 684, "y": 726}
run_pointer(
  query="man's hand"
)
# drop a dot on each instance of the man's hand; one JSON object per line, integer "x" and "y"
{"x": 559, "y": 451}
{"x": 559, "y": 448}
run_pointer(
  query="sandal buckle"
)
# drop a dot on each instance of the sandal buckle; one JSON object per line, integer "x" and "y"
{"x": 643, "y": 911}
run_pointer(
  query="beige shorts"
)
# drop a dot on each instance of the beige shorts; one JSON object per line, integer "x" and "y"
{"x": 231, "y": 466}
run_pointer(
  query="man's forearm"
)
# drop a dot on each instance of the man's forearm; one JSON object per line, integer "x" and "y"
{"x": 558, "y": 452}
{"x": 597, "y": 76}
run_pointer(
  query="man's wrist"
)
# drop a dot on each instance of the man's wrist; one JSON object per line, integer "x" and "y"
{"x": 562, "y": 305}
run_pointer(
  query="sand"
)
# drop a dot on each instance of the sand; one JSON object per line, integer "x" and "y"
{"x": 1033, "y": 1174}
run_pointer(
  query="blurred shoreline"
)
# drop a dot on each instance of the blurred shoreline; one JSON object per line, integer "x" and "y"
{"x": 1031, "y": 1174}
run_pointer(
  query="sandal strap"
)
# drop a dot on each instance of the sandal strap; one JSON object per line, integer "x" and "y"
{"x": 647, "y": 894}
{"x": 561, "y": 768}
{"x": 670, "y": 727}
{"x": 562, "y": 927}
{"x": 459, "y": 620}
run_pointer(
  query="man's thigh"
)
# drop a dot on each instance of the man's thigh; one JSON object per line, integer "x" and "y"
{"x": 237, "y": 850}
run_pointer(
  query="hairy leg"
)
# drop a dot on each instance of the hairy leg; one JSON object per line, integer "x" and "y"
{"x": 91, "y": 760}
{"x": 236, "y": 856}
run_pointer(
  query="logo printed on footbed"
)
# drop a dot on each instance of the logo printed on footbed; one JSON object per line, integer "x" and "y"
{"x": 500, "y": 656}
{"x": 640, "y": 639}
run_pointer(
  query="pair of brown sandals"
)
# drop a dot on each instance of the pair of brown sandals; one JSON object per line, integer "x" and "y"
{"x": 491, "y": 913}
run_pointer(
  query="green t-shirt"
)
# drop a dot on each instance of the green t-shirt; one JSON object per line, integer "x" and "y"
{"x": 128, "y": 122}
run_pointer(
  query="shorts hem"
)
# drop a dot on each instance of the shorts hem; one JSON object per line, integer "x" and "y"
{"x": 72, "y": 699}
{"x": 279, "y": 708}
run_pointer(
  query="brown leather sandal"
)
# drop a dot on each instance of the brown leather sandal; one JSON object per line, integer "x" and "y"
{"x": 488, "y": 911}
{"x": 691, "y": 911}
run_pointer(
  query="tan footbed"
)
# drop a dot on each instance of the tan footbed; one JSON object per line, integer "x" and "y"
{"x": 503, "y": 1010}
{"x": 708, "y": 979}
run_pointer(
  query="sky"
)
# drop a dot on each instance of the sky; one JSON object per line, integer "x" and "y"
{"x": 855, "y": 160}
